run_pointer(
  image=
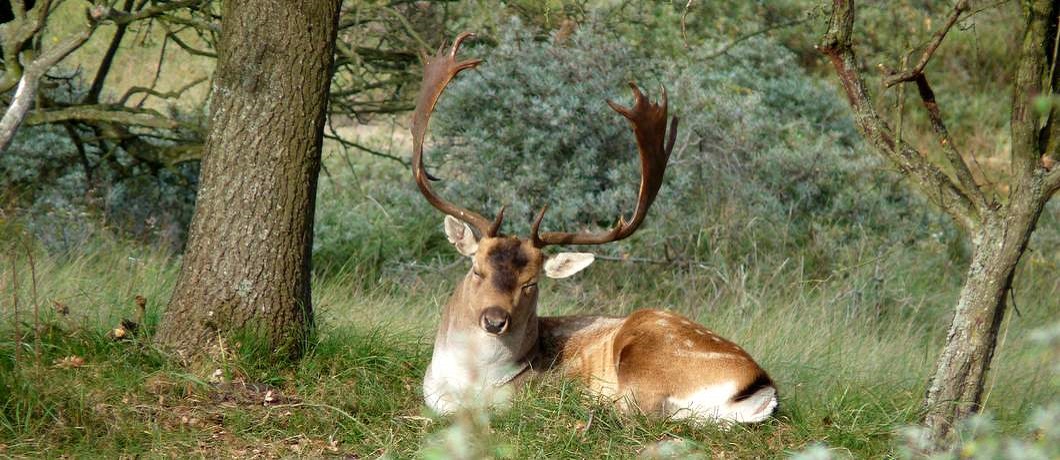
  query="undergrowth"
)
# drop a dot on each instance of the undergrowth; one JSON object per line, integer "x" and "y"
{"x": 851, "y": 377}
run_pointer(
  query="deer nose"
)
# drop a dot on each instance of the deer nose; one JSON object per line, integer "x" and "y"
{"x": 495, "y": 320}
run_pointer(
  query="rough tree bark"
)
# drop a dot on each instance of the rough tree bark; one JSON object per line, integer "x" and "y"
{"x": 246, "y": 268}
{"x": 999, "y": 231}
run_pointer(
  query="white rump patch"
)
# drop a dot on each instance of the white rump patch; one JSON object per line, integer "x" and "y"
{"x": 713, "y": 404}
{"x": 461, "y": 236}
{"x": 566, "y": 264}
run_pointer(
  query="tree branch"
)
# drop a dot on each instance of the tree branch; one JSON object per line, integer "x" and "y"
{"x": 1052, "y": 181}
{"x": 121, "y": 18}
{"x": 1027, "y": 86}
{"x": 15, "y": 34}
{"x": 936, "y": 186}
{"x": 188, "y": 48}
{"x": 104, "y": 113}
{"x": 1051, "y": 130}
{"x": 108, "y": 59}
{"x": 960, "y": 167}
{"x": 728, "y": 46}
{"x": 161, "y": 95}
{"x": 936, "y": 40}
{"x": 347, "y": 143}
{"x": 27, "y": 86}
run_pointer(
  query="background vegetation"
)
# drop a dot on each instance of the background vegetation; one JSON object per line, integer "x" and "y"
{"x": 774, "y": 228}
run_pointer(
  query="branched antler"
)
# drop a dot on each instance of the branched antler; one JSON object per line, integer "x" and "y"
{"x": 437, "y": 73}
{"x": 648, "y": 120}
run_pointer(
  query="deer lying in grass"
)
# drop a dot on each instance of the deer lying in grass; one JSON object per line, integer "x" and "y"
{"x": 490, "y": 335}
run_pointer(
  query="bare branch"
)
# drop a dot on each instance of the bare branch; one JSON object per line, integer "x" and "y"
{"x": 1051, "y": 130}
{"x": 27, "y": 86}
{"x": 684, "y": 16}
{"x": 108, "y": 59}
{"x": 132, "y": 91}
{"x": 18, "y": 9}
{"x": 15, "y": 34}
{"x": 370, "y": 151}
{"x": 933, "y": 183}
{"x": 1027, "y": 86}
{"x": 1052, "y": 181}
{"x": 960, "y": 168}
{"x": 178, "y": 154}
{"x": 190, "y": 49}
{"x": 159, "y": 9}
{"x": 728, "y": 46}
{"x": 104, "y": 113}
{"x": 936, "y": 40}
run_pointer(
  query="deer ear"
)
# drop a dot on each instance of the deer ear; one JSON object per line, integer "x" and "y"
{"x": 461, "y": 236}
{"x": 566, "y": 264}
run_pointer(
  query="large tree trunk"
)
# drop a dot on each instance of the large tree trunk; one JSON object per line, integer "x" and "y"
{"x": 246, "y": 269}
{"x": 957, "y": 387}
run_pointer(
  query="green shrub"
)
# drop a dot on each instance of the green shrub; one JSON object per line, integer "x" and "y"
{"x": 67, "y": 196}
{"x": 766, "y": 162}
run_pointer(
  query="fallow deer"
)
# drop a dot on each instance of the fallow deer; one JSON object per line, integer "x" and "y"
{"x": 491, "y": 336}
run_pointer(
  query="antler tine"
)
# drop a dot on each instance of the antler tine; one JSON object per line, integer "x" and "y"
{"x": 438, "y": 71}
{"x": 495, "y": 227}
{"x": 648, "y": 121}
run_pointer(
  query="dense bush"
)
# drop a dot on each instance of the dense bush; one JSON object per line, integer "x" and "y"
{"x": 68, "y": 192}
{"x": 766, "y": 160}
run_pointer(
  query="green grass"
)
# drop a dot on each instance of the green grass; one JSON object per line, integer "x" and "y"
{"x": 850, "y": 331}
{"x": 849, "y": 377}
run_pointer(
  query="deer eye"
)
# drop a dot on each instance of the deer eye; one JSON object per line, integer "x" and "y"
{"x": 477, "y": 273}
{"x": 529, "y": 287}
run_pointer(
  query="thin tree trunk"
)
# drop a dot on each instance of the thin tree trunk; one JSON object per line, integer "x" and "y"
{"x": 957, "y": 387}
{"x": 246, "y": 269}
{"x": 999, "y": 232}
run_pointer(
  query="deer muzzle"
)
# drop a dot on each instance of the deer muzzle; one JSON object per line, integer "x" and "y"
{"x": 495, "y": 320}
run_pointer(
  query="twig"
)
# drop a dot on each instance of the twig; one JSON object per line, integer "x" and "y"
{"x": 159, "y": 9}
{"x": 79, "y": 145}
{"x": 367, "y": 150}
{"x": 158, "y": 72}
{"x": 960, "y": 168}
{"x": 899, "y": 122}
{"x": 345, "y": 148}
{"x": 108, "y": 59}
{"x": 725, "y": 49}
{"x": 936, "y": 40}
{"x": 684, "y": 35}
{"x": 188, "y": 48}
{"x": 150, "y": 91}
{"x": 408, "y": 27}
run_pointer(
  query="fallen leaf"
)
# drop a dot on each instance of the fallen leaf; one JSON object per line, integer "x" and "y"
{"x": 69, "y": 362}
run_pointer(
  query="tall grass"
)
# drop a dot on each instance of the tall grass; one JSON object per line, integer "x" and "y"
{"x": 837, "y": 281}
{"x": 851, "y": 352}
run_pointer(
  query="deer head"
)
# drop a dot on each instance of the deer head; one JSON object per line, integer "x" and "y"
{"x": 497, "y": 299}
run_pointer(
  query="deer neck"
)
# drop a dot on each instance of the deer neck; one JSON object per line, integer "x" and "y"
{"x": 468, "y": 360}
